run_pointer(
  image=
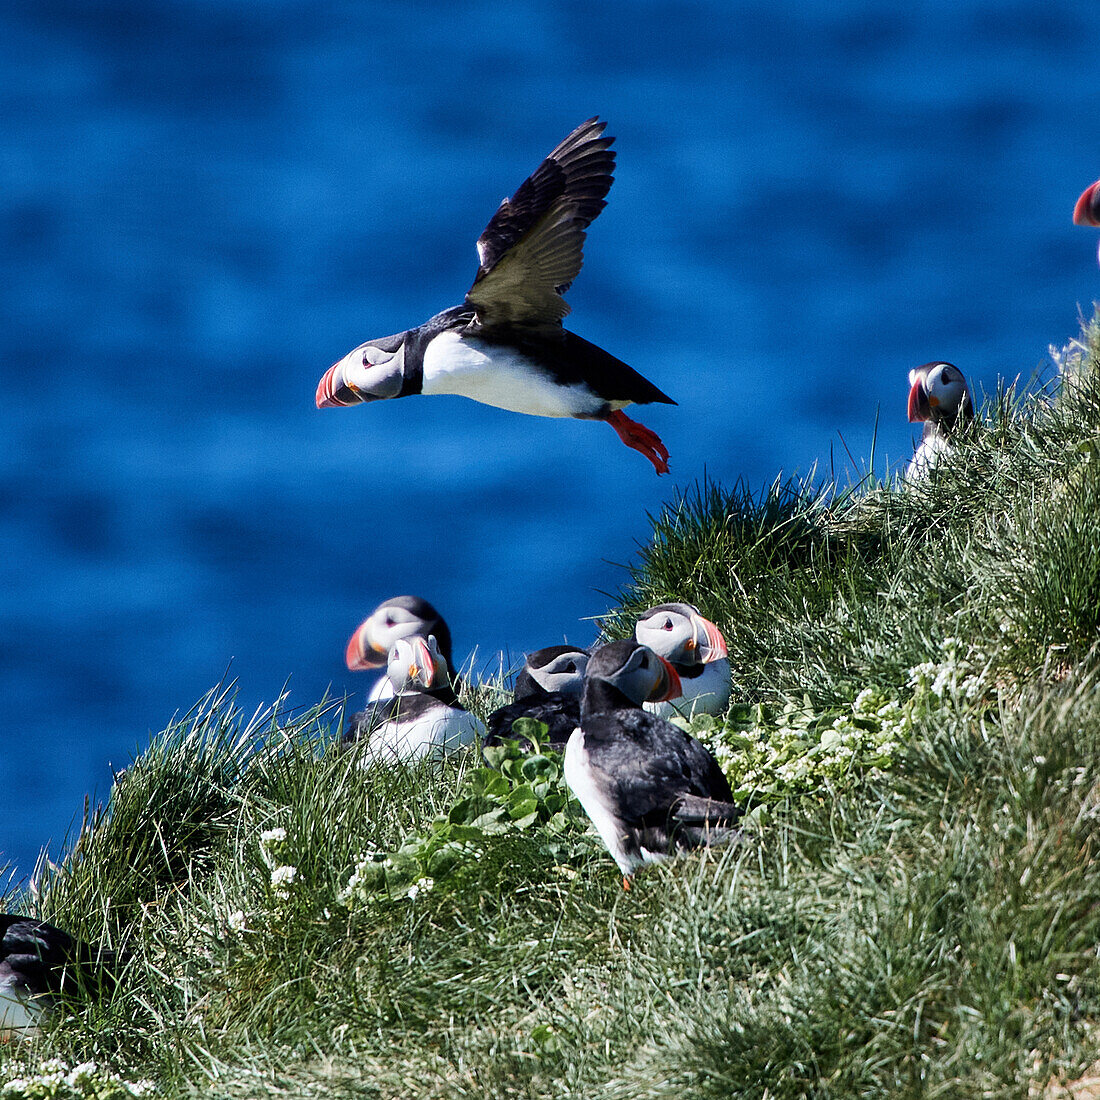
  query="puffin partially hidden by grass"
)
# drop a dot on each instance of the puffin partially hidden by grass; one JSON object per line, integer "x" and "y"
{"x": 938, "y": 397}
{"x": 650, "y": 789}
{"x": 505, "y": 345}
{"x": 42, "y": 965}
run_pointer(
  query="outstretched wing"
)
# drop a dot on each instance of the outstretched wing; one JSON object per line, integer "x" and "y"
{"x": 532, "y": 249}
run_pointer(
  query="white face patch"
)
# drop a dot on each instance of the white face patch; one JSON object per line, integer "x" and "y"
{"x": 501, "y": 377}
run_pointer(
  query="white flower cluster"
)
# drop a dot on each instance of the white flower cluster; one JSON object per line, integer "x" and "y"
{"x": 87, "y": 1081}
{"x": 282, "y": 880}
{"x": 422, "y": 885}
{"x": 362, "y": 878}
{"x": 953, "y": 677}
{"x": 799, "y": 749}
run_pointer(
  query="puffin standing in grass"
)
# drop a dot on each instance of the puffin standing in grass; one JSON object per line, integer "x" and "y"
{"x": 399, "y": 617}
{"x": 41, "y": 965}
{"x": 505, "y": 344}
{"x": 694, "y": 646}
{"x": 424, "y": 717}
{"x": 938, "y": 396}
{"x": 650, "y": 789}
{"x": 1087, "y": 209}
{"x": 548, "y": 689}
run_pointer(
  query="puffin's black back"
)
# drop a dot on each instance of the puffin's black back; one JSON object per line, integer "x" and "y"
{"x": 47, "y": 962}
{"x": 560, "y": 713}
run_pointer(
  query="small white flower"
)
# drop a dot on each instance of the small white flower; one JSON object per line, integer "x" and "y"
{"x": 236, "y": 921}
{"x": 273, "y": 836}
{"x": 282, "y": 879}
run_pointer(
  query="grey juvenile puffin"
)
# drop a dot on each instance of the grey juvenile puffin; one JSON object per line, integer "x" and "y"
{"x": 548, "y": 689}
{"x": 650, "y": 789}
{"x": 938, "y": 396}
{"x": 40, "y": 965}
{"x": 505, "y": 345}
{"x": 1087, "y": 209}
{"x": 694, "y": 646}
{"x": 399, "y": 617}
{"x": 424, "y": 717}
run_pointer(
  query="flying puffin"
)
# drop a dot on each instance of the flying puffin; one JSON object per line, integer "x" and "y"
{"x": 399, "y": 617}
{"x": 41, "y": 965}
{"x": 548, "y": 689}
{"x": 1087, "y": 209}
{"x": 939, "y": 397}
{"x": 694, "y": 646}
{"x": 505, "y": 345}
{"x": 650, "y": 789}
{"x": 424, "y": 717}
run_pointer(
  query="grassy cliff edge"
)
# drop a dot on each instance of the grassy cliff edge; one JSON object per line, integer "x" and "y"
{"x": 916, "y": 910}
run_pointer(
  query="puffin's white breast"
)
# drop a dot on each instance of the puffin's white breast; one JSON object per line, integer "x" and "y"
{"x": 502, "y": 377}
{"x": 17, "y": 1017}
{"x": 582, "y": 782}
{"x": 439, "y": 732}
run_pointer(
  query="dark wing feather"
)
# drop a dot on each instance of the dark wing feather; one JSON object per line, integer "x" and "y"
{"x": 44, "y": 960}
{"x": 532, "y": 248}
{"x": 654, "y": 764}
{"x": 561, "y": 713}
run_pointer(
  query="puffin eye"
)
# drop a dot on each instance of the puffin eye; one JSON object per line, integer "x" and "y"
{"x": 668, "y": 625}
{"x": 389, "y": 621}
{"x": 571, "y": 667}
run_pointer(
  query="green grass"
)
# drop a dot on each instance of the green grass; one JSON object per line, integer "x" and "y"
{"x": 914, "y": 911}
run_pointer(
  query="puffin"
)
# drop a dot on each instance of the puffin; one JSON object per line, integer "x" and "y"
{"x": 938, "y": 396}
{"x": 650, "y": 789}
{"x": 423, "y": 718}
{"x": 694, "y": 646}
{"x": 399, "y": 617}
{"x": 41, "y": 965}
{"x": 1087, "y": 209}
{"x": 505, "y": 344}
{"x": 548, "y": 689}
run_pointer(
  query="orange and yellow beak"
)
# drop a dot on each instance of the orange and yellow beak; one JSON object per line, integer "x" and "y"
{"x": 1087, "y": 210}
{"x": 333, "y": 391}
{"x": 422, "y": 666}
{"x": 360, "y": 654}
{"x": 708, "y": 640}
{"x": 920, "y": 407}
{"x": 667, "y": 686}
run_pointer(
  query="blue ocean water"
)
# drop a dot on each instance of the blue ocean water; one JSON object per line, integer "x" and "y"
{"x": 203, "y": 203}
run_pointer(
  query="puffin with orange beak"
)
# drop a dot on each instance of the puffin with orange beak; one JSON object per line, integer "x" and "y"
{"x": 505, "y": 344}
{"x": 650, "y": 789}
{"x": 399, "y": 617}
{"x": 423, "y": 718}
{"x": 1087, "y": 209}
{"x": 548, "y": 690}
{"x": 938, "y": 398}
{"x": 694, "y": 646}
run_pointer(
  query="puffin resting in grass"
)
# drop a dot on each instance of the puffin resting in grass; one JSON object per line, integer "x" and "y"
{"x": 548, "y": 690}
{"x": 398, "y": 617}
{"x": 694, "y": 646}
{"x": 40, "y": 966}
{"x": 505, "y": 344}
{"x": 650, "y": 789}
{"x": 423, "y": 718}
{"x": 940, "y": 398}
